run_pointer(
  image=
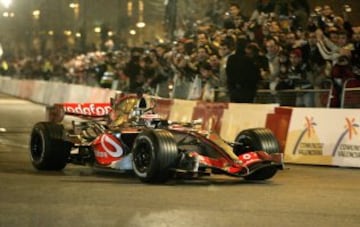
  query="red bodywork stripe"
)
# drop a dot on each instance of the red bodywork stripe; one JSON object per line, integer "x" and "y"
{"x": 245, "y": 160}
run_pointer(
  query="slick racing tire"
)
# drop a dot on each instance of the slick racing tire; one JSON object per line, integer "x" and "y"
{"x": 48, "y": 150}
{"x": 258, "y": 139}
{"x": 255, "y": 140}
{"x": 154, "y": 154}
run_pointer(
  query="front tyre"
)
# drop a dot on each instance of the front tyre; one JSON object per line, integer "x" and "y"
{"x": 258, "y": 139}
{"x": 48, "y": 150}
{"x": 154, "y": 154}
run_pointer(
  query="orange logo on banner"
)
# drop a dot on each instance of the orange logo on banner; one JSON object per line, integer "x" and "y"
{"x": 350, "y": 126}
{"x": 308, "y": 145}
{"x": 309, "y": 125}
{"x": 350, "y": 129}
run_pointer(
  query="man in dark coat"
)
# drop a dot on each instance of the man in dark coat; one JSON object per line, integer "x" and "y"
{"x": 242, "y": 75}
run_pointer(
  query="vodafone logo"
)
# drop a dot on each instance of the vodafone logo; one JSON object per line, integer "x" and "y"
{"x": 87, "y": 109}
{"x": 111, "y": 147}
{"x": 107, "y": 149}
{"x": 249, "y": 158}
{"x": 246, "y": 156}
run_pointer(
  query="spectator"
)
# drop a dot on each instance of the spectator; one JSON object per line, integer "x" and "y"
{"x": 317, "y": 55}
{"x": 226, "y": 49}
{"x": 326, "y": 19}
{"x": 328, "y": 48}
{"x": 149, "y": 65}
{"x": 252, "y": 50}
{"x": 210, "y": 82}
{"x": 355, "y": 54}
{"x": 242, "y": 75}
{"x": 300, "y": 78}
{"x": 164, "y": 73}
{"x": 183, "y": 73}
{"x": 273, "y": 49}
{"x": 204, "y": 42}
{"x": 233, "y": 17}
{"x": 133, "y": 71}
{"x": 299, "y": 10}
{"x": 340, "y": 73}
{"x": 318, "y": 66}
{"x": 282, "y": 81}
{"x": 333, "y": 49}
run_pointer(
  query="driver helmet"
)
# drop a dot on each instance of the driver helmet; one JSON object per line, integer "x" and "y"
{"x": 139, "y": 107}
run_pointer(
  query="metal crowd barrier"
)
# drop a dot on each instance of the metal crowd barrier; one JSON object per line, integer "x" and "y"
{"x": 316, "y": 97}
{"x": 350, "y": 94}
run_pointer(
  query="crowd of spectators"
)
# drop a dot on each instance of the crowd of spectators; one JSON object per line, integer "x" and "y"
{"x": 225, "y": 57}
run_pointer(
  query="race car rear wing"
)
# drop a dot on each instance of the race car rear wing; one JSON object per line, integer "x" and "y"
{"x": 57, "y": 112}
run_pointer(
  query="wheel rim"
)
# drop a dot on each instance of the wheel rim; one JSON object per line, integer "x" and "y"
{"x": 246, "y": 145}
{"x": 143, "y": 156}
{"x": 36, "y": 147}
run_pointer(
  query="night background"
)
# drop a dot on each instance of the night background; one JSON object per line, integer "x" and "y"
{"x": 33, "y": 26}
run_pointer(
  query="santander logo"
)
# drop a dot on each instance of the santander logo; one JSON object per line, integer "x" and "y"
{"x": 107, "y": 149}
{"x": 89, "y": 109}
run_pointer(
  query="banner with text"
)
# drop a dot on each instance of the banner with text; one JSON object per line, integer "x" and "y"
{"x": 324, "y": 136}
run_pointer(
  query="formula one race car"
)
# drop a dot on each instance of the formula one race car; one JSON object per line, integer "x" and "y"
{"x": 127, "y": 135}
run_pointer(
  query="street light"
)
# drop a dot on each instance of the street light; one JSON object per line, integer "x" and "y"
{"x": 36, "y": 14}
{"x": 140, "y": 24}
{"x": 97, "y": 29}
{"x": 132, "y": 32}
{"x": 6, "y": 3}
{"x": 8, "y": 14}
{"x": 76, "y": 8}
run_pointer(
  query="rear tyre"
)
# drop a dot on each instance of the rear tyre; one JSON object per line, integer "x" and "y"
{"x": 48, "y": 150}
{"x": 258, "y": 139}
{"x": 154, "y": 154}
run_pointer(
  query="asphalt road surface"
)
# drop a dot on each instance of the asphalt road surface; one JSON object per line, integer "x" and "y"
{"x": 80, "y": 196}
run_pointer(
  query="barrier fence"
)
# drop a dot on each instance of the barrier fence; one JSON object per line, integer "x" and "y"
{"x": 350, "y": 94}
{"x": 296, "y": 98}
{"x": 343, "y": 96}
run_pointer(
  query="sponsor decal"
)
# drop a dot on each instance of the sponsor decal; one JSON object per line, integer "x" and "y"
{"x": 307, "y": 143}
{"x": 88, "y": 109}
{"x": 344, "y": 146}
{"x": 107, "y": 149}
{"x": 249, "y": 158}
